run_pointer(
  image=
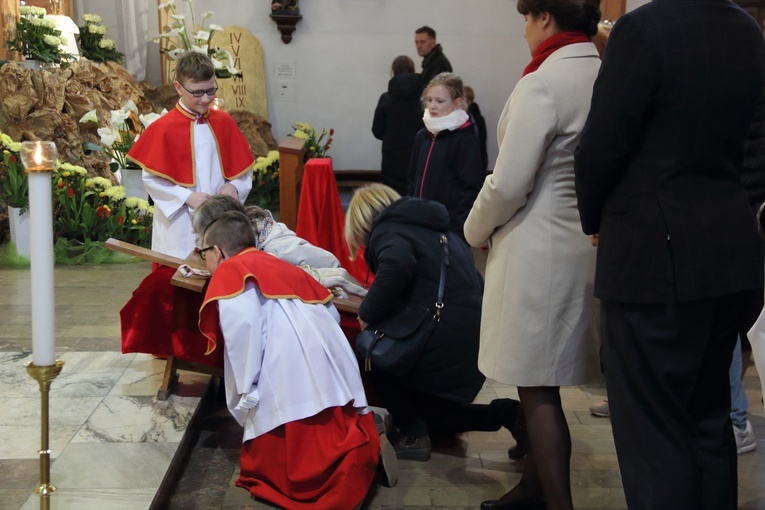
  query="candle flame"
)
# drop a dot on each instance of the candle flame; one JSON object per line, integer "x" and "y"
{"x": 38, "y": 158}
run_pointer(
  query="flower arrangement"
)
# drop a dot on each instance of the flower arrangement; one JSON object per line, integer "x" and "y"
{"x": 13, "y": 179}
{"x": 93, "y": 45}
{"x": 315, "y": 145}
{"x": 92, "y": 209}
{"x": 265, "y": 182}
{"x": 125, "y": 125}
{"x": 37, "y": 38}
{"x": 183, "y": 36}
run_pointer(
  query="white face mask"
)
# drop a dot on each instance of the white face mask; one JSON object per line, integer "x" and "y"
{"x": 452, "y": 121}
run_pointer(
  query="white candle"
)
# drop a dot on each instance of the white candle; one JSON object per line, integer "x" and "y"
{"x": 41, "y": 244}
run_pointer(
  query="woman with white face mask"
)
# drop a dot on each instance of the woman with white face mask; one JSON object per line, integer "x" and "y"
{"x": 446, "y": 163}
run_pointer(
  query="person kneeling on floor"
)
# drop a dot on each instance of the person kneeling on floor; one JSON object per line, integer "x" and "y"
{"x": 291, "y": 378}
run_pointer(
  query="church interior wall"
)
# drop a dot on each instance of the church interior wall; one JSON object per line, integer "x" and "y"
{"x": 341, "y": 54}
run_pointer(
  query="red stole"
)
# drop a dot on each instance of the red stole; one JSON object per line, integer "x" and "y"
{"x": 274, "y": 278}
{"x": 166, "y": 147}
{"x": 552, "y": 43}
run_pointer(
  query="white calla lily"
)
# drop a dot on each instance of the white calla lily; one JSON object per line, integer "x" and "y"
{"x": 108, "y": 136}
{"x": 89, "y": 117}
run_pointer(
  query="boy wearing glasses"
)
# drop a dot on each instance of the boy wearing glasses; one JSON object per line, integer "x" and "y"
{"x": 190, "y": 154}
{"x": 291, "y": 378}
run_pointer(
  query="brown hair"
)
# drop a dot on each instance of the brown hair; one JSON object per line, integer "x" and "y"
{"x": 580, "y": 15}
{"x": 469, "y": 94}
{"x": 194, "y": 66}
{"x": 402, "y": 64}
{"x": 231, "y": 231}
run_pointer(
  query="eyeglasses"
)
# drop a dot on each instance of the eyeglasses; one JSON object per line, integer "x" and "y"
{"x": 199, "y": 93}
{"x": 201, "y": 251}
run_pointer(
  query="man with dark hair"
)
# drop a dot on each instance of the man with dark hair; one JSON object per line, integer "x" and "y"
{"x": 658, "y": 179}
{"x": 434, "y": 61}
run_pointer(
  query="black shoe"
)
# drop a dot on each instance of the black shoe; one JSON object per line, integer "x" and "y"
{"x": 413, "y": 448}
{"x": 536, "y": 501}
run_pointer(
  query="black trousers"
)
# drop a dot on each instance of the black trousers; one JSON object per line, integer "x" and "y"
{"x": 418, "y": 413}
{"x": 669, "y": 396}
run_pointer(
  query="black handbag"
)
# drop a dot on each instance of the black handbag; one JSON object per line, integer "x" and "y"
{"x": 396, "y": 345}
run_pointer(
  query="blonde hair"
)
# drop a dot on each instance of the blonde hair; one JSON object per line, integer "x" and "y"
{"x": 451, "y": 82}
{"x": 367, "y": 202}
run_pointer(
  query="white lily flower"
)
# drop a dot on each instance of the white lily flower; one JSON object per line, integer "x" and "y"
{"x": 216, "y": 28}
{"x": 118, "y": 118}
{"x": 130, "y": 107}
{"x": 178, "y": 17}
{"x": 89, "y": 117}
{"x": 165, "y": 5}
{"x": 217, "y": 63}
{"x": 202, "y": 35}
{"x": 108, "y": 136}
{"x": 177, "y": 52}
{"x": 199, "y": 49}
{"x": 147, "y": 119}
{"x": 207, "y": 14}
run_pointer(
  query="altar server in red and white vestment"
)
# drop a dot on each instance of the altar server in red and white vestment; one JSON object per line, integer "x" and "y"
{"x": 292, "y": 380}
{"x": 189, "y": 154}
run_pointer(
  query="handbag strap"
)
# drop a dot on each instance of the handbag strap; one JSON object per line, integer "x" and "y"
{"x": 442, "y": 279}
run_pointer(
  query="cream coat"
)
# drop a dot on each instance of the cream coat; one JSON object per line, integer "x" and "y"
{"x": 538, "y": 300}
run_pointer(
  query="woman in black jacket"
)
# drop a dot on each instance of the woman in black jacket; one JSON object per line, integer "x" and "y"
{"x": 446, "y": 163}
{"x": 402, "y": 247}
{"x": 398, "y": 118}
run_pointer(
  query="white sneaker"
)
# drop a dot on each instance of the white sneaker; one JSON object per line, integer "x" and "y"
{"x": 601, "y": 409}
{"x": 745, "y": 440}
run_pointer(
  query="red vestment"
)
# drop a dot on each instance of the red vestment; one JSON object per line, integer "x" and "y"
{"x": 166, "y": 147}
{"x": 274, "y": 278}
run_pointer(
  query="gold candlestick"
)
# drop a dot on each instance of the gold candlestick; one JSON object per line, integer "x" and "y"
{"x": 44, "y": 376}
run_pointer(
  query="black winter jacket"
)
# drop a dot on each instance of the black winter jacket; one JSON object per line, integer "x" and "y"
{"x": 398, "y": 118}
{"x": 404, "y": 253}
{"x": 435, "y": 63}
{"x": 448, "y": 168}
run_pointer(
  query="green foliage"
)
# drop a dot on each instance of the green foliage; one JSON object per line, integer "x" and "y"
{"x": 14, "y": 186}
{"x": 265, "y": 182}
{"x": 315, "y": 146}
{"x": 93, "y": 45}
{"x": 37, "y": 38}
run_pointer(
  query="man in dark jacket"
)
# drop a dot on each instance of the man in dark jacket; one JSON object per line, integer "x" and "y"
{"x": 434, "y": 61}
{"x": 657, "y": 177}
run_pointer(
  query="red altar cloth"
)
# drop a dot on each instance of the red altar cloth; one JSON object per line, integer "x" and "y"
{"x": 321, "y": 221}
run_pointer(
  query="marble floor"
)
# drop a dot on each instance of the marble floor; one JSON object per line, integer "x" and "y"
{"x": 112, "y": 442}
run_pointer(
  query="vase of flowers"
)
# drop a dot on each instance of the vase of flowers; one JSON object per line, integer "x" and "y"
{"x": 182, "y": 36}
{"x": 93, "y": 45}
{"x": 125, "y": 126}
{"x": 36, "y": 37}
{"x": 316, "y": 146}
{"x": 14, "y": 193}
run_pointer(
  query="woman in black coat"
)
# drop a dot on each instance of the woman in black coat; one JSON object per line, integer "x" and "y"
{"x": 446, "y": 163}
{"x": 398, "y": 118}
{"x": 402, "y": 247}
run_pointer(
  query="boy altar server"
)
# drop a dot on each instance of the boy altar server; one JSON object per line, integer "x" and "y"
{"x": 189, "y": 154}
{"x": 291, "y": 378}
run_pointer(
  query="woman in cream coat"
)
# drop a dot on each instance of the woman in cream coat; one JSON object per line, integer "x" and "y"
{"x": 535, "y": 327}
